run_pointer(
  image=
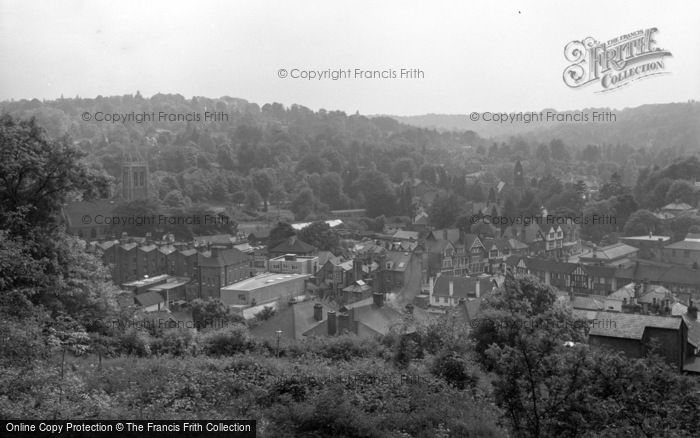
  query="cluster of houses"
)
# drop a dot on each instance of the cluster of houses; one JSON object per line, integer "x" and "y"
{"x": 635, "y": 293}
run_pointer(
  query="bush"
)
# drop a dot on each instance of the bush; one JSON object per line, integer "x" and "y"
{"x": 345, "y": 347}
{"x": 227, "y": 341}
{"x": 453, "y": 368}
{"x": 135, "y": 342}
{"x": 176, "y": 342}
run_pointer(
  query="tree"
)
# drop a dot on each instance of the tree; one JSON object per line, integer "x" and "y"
{"x": 558, "y": 150}
{"x": 38, "y": 173}
{"x": 320, "y": 235}
{"x": 681, "y": 191}
{"x": 623, "y": 206}
{"x": 331, "y": 190}
{"x": 252, "y": 200}
{"x": 279, "y": 234}
{"x": 238, "y": 197}
{"x": 542, "y": 153}
{"x": 311, "y": 163}
{"x": 263, "y": 184}
{"x": 640, "y": 223}
{"x": 596, "y": 231}
{"x": 212, "y": 314}
{"x": 378, "y": 193}
{"x": 613, "y": 187}
{"x": 548, "y": 384}
{"x": 304, "y": 204}
{"x": 443, "y": 211}
{"x": 175, "y": 199}
{"x": 403, "y": 168}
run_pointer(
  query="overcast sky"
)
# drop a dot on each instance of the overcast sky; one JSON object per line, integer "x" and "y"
{"x": 476, "y": 56}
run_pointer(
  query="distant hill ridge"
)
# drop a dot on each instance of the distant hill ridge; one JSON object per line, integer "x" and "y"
{"x": 671, "y": 124}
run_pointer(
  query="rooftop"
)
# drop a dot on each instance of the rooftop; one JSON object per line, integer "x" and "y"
{"x": 147, "y": 281}
{"x": 650, "y": 237}
{"x": 630, "y": 326}
{"x": 610, "y": 252}
{"x": 149, "y": 298}
{"x": 265, "y": 279}
{"x": 691, "y": 245}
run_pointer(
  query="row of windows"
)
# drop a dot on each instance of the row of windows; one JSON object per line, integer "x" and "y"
{"x": 686, "y": 253}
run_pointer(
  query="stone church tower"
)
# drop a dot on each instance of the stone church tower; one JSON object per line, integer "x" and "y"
{"x": 134, "y": 179}
{"x": 518, "y": 177}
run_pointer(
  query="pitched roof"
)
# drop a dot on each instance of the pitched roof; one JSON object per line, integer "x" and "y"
{"x": 660, "y": 274}
{"x": 225, "y": 257}
{"x": 588, "y": 302}
{"x": 358, "y": 286}
{"x": 462, "y": 287}
{"x": 149, "y": 298}
{"x": 373, "y": 320}
{"x": 74, "y": 212}
{"x": 544, "y": 265}
{"x": 655, "y": 291}
{"x": 599, "y": 271}
{"x": 693, "y": 329}
{"x": 406, "y": 235}
{"x": 516, "y": 244}
{"x": 438, "y": 246}
{"x": 471, "y": 239}
{"x": 294, "y": 320}
{"x": 624, "y": 293}
{"x": 324, "y": 256}
{"x": 451, "y": 234}
{"x": 691, "y": 245}
{"x": 677, "y": 206}
{"x": 399, "y": 260}
{"x": 214, "y": 239}
{"x": 610, "y": 252}
{"x": 293, "y": 245}
{"x": 630, "y": 326}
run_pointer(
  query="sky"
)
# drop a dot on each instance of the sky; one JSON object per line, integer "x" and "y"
{"x": 474, "y": 56}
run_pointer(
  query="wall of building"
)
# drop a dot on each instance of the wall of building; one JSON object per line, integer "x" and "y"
{"x": 630, "y": 347}
{"x": 264, "y": 294}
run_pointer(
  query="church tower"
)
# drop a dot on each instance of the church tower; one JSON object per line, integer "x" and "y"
{"x": 134, "y": 178}
{"x": 518, "y": 178}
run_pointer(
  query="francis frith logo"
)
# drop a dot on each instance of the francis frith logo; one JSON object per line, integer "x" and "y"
{"x": 616, "y": 62}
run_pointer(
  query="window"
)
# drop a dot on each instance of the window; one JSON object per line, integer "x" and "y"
{"x": 241, "y": 298}
{"x": 686, "y": 253}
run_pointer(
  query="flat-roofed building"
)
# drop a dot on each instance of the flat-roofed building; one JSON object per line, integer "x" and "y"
{"x": 293, "y": 264}
{"x": 264, "y": 288}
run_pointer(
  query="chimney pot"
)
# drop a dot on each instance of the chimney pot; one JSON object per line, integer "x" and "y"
{"x": 332, "y": 323}
{"x": 318, "y": 312}
{"x": 378, "y": 299}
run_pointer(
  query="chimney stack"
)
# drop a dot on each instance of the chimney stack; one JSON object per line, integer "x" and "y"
{"x": 478, "y": 288}
{"x": 332, "y": 323}
{"x": 692, "y": 310}
{"x": 343, "y": 323}
{"x": 318, "y": 312}
{"x": 378, "y": 299}
{"x": 452, "y": 287}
